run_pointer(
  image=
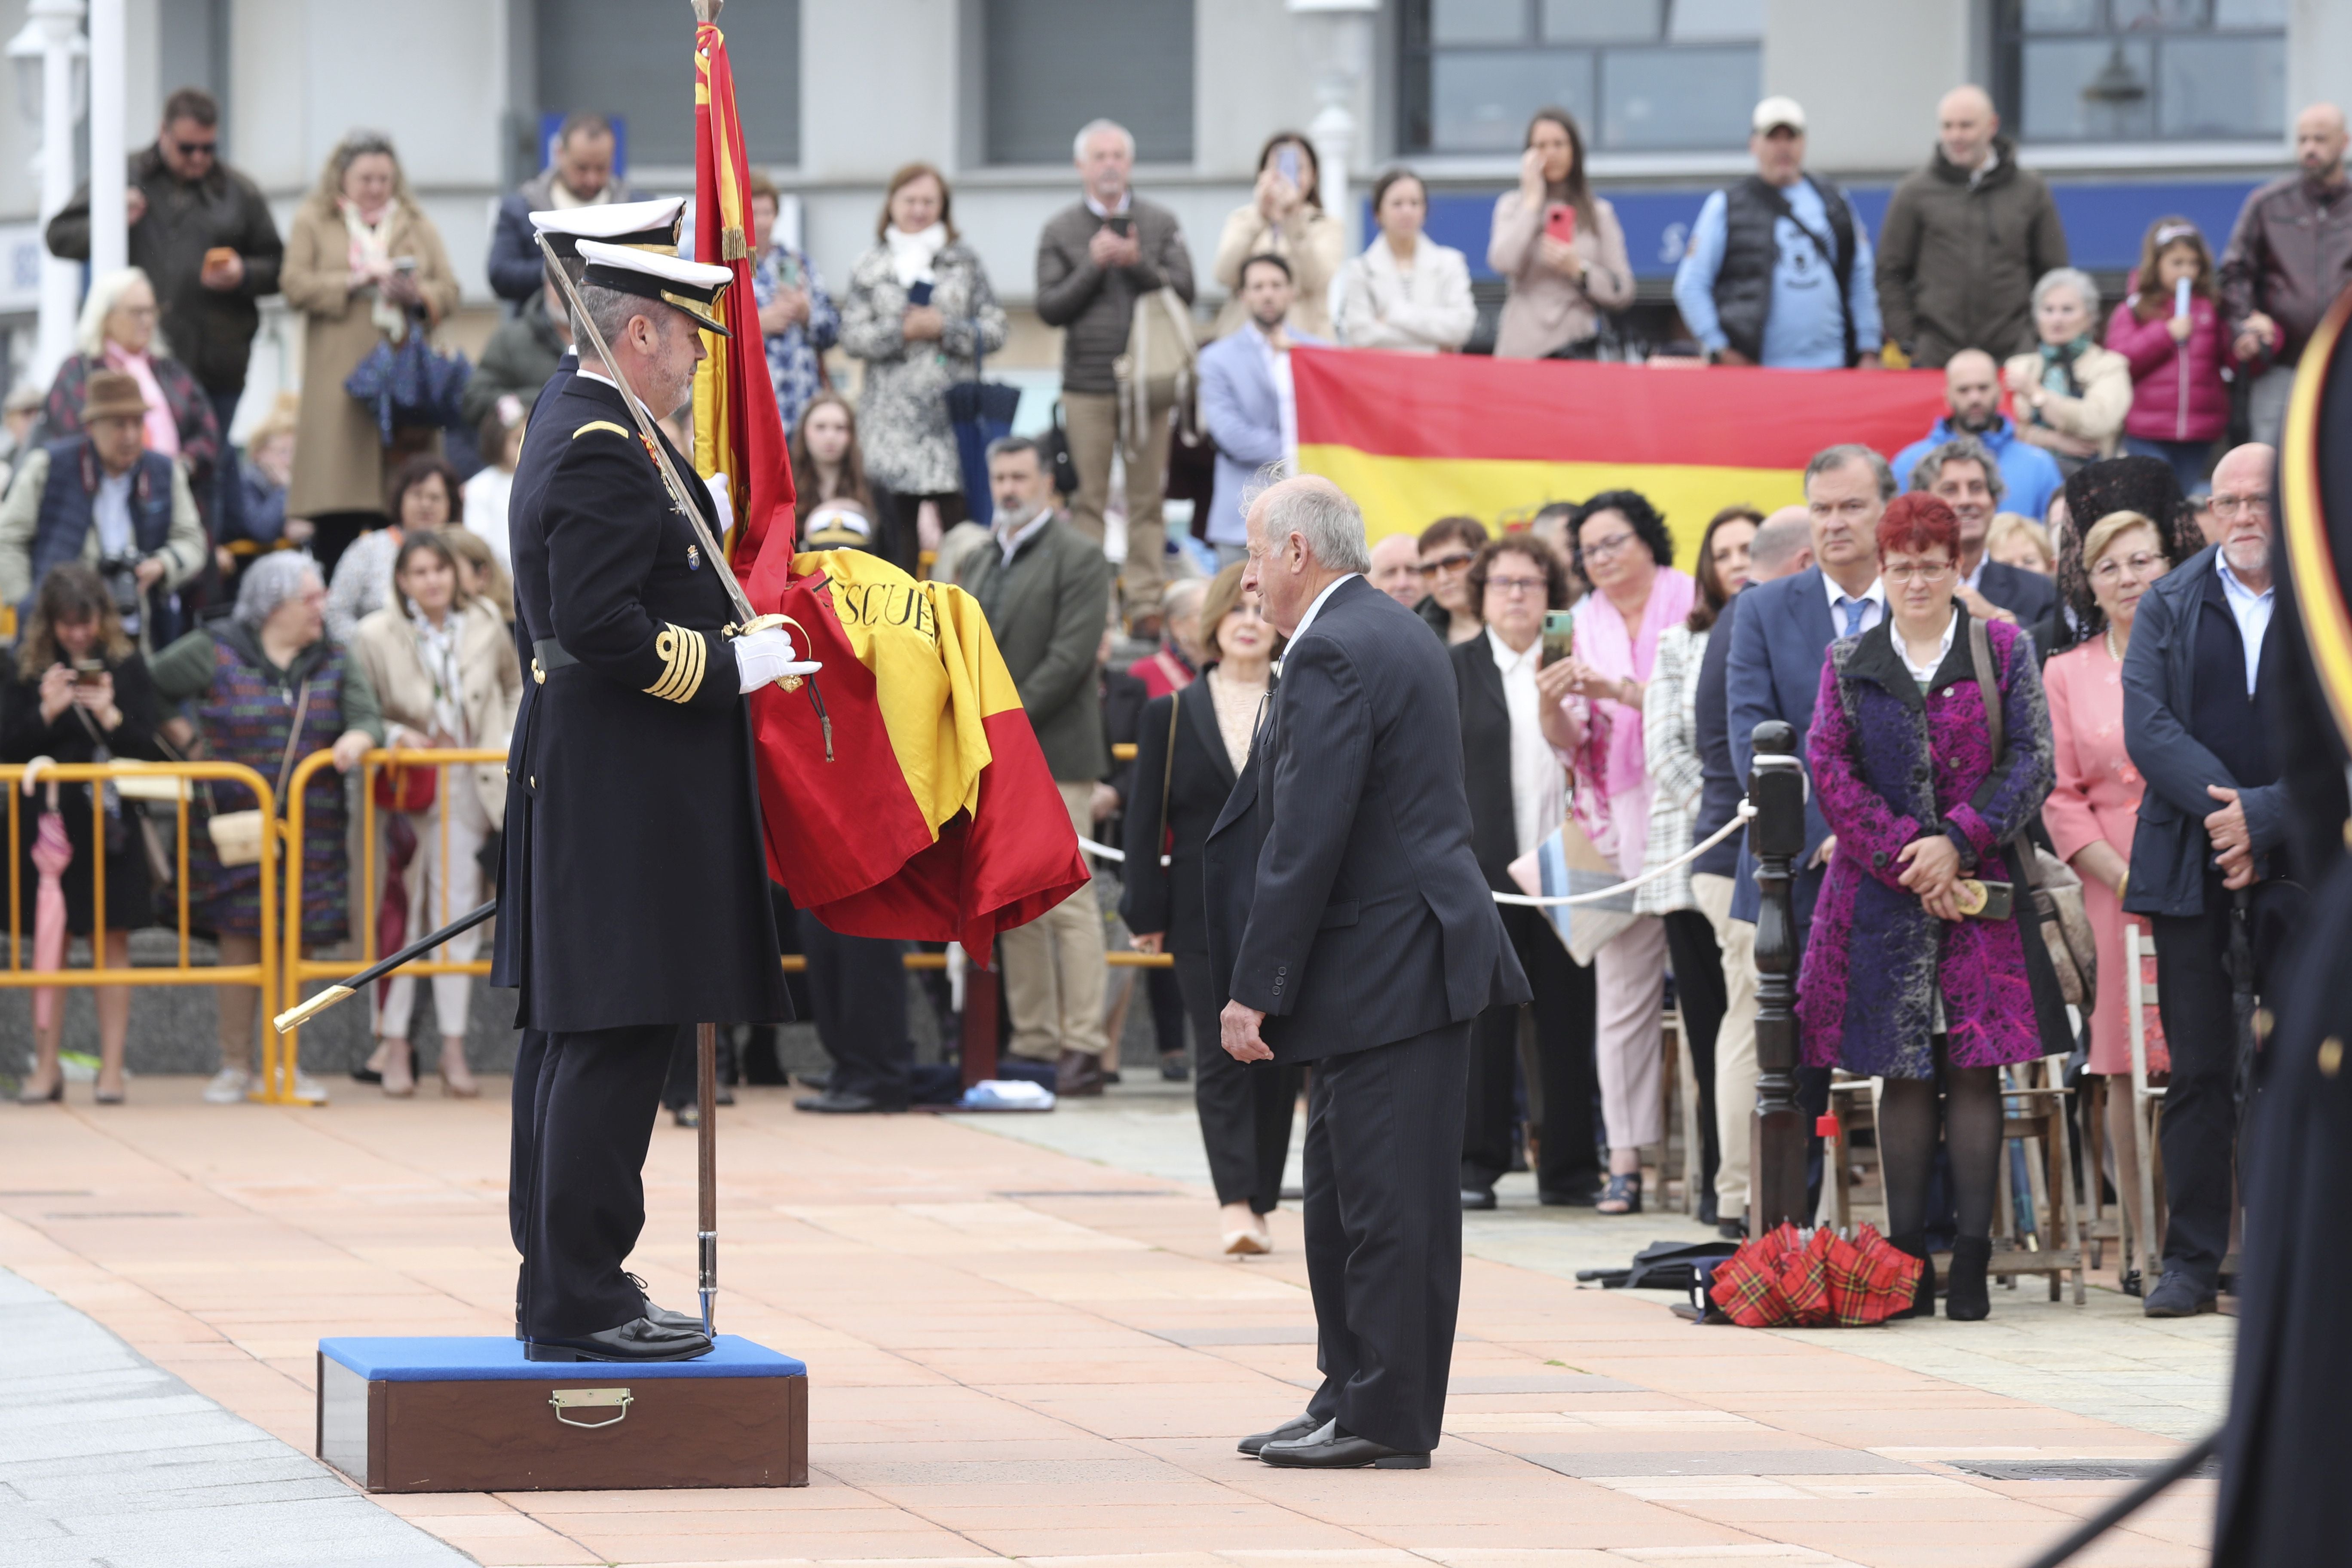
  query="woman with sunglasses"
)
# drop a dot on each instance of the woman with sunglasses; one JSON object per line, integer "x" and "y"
{"x": 1448, "y": 546}
{"x": 1593, "y": 711}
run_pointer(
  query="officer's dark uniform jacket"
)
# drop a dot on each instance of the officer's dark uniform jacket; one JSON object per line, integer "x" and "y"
{"x": 638, "y": 887}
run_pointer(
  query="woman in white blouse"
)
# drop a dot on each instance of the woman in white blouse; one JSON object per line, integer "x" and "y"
{"x": 1670, "y": 740}
{"x": 1406, "y": 292}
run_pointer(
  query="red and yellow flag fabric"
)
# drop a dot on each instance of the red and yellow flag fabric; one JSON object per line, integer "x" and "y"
{"x": 1417, "y": 438}
{"x": 737, "y": 430}
{"x": 936, "y": 818}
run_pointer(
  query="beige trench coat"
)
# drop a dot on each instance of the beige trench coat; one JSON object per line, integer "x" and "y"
{"x": 487, "y": 672}
{"x": 338, "y": 455}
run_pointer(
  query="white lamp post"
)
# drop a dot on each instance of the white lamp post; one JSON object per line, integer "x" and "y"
{"x": 50, "y": 61}
{"x": 110, "y": 237}
{"x": 1335, "y": 37}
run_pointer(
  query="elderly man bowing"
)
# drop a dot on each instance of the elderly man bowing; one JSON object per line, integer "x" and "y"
{"x": 1352, "y": 929}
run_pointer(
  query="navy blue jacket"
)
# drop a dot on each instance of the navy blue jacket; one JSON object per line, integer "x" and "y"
{"x": 1779, "y": 642}
{"x": 1344, "y": 898}
{"x": 1720, "y": 787}
{"x": 2170, "y": 852}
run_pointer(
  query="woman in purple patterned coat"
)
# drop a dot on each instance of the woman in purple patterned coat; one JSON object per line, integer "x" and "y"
{"x": 1898, "y": 983}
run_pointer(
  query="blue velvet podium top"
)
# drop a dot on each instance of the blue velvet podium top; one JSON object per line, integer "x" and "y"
{"x": 482, "y": 1358}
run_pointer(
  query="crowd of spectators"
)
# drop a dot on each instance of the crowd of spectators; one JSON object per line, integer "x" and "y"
{"x": 337, "y": 584}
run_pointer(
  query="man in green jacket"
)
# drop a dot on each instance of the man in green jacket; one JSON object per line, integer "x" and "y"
{"x": 520, "y": 356}
{"x": 1965, "y": 240}
{"x": 1045, "y": 589}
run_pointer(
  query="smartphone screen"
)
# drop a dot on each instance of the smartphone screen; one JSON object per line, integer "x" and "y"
{"x": 1558, "y": 633}
{"x": 1121, "y": 224}
{"x": 89, "y": 672}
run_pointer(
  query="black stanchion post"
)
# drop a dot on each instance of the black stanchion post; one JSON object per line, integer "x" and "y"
{"x": 979, "y": 1030}
{"x": 1776, "y": 836}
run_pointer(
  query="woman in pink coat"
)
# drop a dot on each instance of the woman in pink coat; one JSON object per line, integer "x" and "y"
{"x": 2095, "y": 803}
{"x": 2180, "y": 404}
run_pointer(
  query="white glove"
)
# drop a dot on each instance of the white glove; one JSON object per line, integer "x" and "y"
{"x": 763, "y": 658}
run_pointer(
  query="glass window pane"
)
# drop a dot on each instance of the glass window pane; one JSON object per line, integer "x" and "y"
{"x": 2158, "y": 16}
{"x": 592, "y": 56}
{"x": 1477, "y": 21}
{"x": 2223, "y": 87}
{"x": 2057, "y": 74}
{"x": 1052, "y": 65}
{"x": 2250, "y": 12}
{"x": 2061, "y": 16}
{"x": 1656, "y": 99}
{"x": 1603, "y": 21}
{"x": 1707, "y": 21}
{"x": 1480, "y": 102}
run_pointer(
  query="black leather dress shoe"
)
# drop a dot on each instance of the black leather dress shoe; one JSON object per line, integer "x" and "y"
{"x": 2179, "y": 1296}
{"x": 843, "y": 1102}
{"x": 1297, "y": 1426}
{"x": 1478, "y": 1198}
{"x": 685, "y": 1322}
{"x": 1573, "y": 1199}
{"x": 639, "y": 1339}
{"x": 1331, "y": 1448}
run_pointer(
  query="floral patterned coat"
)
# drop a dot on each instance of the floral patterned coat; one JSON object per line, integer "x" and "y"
{"x": 1891, "y": 764}
{"x": 902, "y": 411}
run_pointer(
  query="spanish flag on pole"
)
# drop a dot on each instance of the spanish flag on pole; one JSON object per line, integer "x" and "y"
{"x": 737, "y": 430}
{"x": 1415, "y": 438}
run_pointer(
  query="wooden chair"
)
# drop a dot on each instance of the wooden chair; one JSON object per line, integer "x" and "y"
{"x": 2035, "y": 1105}
{"x": 1853, "y": 1105}
{"x": 2145, "y": 1253}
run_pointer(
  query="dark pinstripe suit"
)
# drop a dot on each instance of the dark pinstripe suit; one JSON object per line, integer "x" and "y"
{"x": 1346, "y": 903}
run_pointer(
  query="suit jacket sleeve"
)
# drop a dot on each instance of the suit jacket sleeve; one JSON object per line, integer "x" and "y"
{"x": 515, "y": 266}
{"x": 2176, "y": 765}
{"x": 1144, "y": 905}
{"x": 1221, "y": 408}
{"x": 1746, "y": 690}
{"x": 1067, "y": 673}
{"x": 1325, "y": 757}
{"x": 598, "y": 556}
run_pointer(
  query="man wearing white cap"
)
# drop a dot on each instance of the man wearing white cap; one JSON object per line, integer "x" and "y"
{"x": 639, "y": 893}
{"x": 1778, "y": 271}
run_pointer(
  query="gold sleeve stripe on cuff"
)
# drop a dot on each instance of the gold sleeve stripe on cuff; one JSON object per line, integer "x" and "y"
{"x": 685, "y": 655}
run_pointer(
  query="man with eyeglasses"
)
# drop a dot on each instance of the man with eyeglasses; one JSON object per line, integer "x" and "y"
{"x": 204, "y": 238}
{"x": 2207, "y": 865}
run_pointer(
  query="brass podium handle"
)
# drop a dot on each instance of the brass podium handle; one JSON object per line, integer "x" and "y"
{"x": 616, "y": 1400}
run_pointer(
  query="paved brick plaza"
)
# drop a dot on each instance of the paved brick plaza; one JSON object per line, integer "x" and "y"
{"x": 1022, "y": 1343}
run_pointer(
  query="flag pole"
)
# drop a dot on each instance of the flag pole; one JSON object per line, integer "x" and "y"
{"x": 706, "y": 1036}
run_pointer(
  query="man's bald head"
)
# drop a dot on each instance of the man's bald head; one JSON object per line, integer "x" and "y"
{"x": 1396, "y": 568}
{"x": 1966, "y": 125}
{"x": 1972, "y": 391}
{"x": 1783, "y": 544}
{"x": 2241, "y": 510}
{"x": 2319, "y": 141}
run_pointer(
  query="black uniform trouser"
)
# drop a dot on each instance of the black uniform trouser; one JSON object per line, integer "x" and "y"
{"x": 2198, "y": 1129}
{"x": 1569, "y": 1163}
{"x": 1701, "y": 995}
{"x": 593, "y": 1111}
{"x": 857, "y": 985}
{"x": 1245, "y": 1107}
{"x": 682, "y": 1084}
{"x": 531, "y": 1060}
{"x": 1384, "y": 1234}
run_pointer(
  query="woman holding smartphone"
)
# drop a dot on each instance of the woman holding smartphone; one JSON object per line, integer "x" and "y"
{"x": 1559, "y": 246}
{"x": 1284, "y": 217}
{"x": 1918, "y": 970}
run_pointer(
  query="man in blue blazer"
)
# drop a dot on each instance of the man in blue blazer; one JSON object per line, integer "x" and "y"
{"x": 1780, "y": 639}
{"x": 1246, "y": 403}
{"x": 1351, "y": 927}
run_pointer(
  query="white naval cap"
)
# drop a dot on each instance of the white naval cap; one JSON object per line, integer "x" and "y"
{"x": 654, "y": 223}
{"x": 691, "y": 287}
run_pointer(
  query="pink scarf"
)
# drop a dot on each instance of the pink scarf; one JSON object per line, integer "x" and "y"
{"x": 1613, "y": 777}
{"x": 163, "y": 430}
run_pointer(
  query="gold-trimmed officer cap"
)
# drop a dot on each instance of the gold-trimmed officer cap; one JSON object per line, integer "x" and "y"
{"x": 654, "y": 225}
{"x": 689, "y": 286}
{"x": 838, "y": 525}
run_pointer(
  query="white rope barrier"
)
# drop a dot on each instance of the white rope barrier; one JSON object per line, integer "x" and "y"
{"x": 1599, "y": 894}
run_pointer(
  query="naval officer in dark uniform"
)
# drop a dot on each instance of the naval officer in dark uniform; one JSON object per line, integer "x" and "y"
{"x": 654, "y": 226}
{"x": 638, "y": 897}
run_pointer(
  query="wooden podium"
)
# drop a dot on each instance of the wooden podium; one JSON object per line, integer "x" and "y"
{"x": 472, "y": 1415}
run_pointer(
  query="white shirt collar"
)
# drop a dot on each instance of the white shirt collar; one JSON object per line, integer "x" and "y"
{"x": 1875, "y": 594}
{"x": 1507, "y": 661}
{"x": 1313, "y": 610}
{"x": 2233, "y": 587}
{"x": 1125, "y": 201}
{"x": 1925, "y": 673}
{"x": 584, "y": 374}
{"x": 1011, "y": 543}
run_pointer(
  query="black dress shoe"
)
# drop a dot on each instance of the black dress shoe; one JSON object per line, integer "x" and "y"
{"x": 685, "y": 1322}
{"x": 639, "y": 1339}
{"x": 1478, "y": 1198}
{"x": 843, "y": 1102}
{"x": 2179, "y": 1296}
{"x": 1732, "y": 1230}
{"x": 1174, "y": 1067}
{"x": 1295, "y": 1427}
{"x": 1573, "y": 1198}
{"x": 1708, "y": 1212}
{"x": 1331, "y": 1448}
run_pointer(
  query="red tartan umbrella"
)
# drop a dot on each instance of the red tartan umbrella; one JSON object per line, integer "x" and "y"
{"x": 1785, "y": 1279}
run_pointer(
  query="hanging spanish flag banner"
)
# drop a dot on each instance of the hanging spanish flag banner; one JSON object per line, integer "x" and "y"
{"x": 737, "y": 430}
{"x": 1416, "y": 438}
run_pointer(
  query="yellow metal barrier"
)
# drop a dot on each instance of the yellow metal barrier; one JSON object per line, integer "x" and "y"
{"x": 362, "y": 879}
{"x": 262, "y": 974}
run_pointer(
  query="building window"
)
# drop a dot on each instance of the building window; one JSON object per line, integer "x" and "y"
{"x": 1640, "y": 75}
{"x": 635, "y": 62}
{"x": 1050, "y": 66}
{"x": 2136, "y": 70}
